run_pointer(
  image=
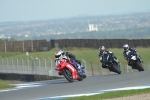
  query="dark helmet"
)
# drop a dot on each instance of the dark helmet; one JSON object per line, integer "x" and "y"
{"x": 126, "y": 47}
{"x": 102, "y": 48}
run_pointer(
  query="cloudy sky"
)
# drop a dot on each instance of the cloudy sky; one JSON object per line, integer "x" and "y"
{"x": 28, "y": 10}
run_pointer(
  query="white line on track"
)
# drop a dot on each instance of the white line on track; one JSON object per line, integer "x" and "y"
{"x": 94, "y": 93}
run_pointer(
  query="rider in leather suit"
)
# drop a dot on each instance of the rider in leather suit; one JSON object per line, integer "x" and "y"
{"x": 126, "y": 51}
{"x": 76, "y": 63}
{"x": 102, "y": 52}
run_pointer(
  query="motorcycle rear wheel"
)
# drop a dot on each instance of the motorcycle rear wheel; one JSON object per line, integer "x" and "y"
{"x": 68, "y": 75}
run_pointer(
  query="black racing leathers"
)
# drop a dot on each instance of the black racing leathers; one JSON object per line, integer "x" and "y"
{"x": 102, "y": 57}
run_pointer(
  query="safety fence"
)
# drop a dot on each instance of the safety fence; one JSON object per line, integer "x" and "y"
{"x": 44, "y": 45}
{"x": 46, "y": 66}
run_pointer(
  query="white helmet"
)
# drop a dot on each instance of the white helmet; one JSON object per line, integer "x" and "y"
{"x": 58, "y": 55}
{"x": 126, "y": 47}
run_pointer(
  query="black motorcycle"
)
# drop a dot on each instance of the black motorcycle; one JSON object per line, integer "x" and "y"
{"x": 135, "y": 61}
{"x": 112, "y": 63}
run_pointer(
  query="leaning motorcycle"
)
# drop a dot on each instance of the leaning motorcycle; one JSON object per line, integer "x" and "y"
{"x": 112, "y": 63}
{"x": 135, "y": 61}
{"x": 68, "y": 70}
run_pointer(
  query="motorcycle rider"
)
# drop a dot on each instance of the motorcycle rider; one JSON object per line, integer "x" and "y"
{"x": 126, "y": 51}
{"x": 71, "y": 57}
{"x": 102, "y": 53}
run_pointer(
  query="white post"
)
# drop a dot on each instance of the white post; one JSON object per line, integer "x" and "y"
{"x": 33, "y": 65}
{"x": 17, "y": 64}
{"x": 45, "y": 64}
{"x": 12, "y": 64}
{"x": 2, "y": 64}
{"x": 51, "y": 71}
{"x": 9, "y": 69}
{"x": 23, "y": 67}
{"x": 38, "y": 65}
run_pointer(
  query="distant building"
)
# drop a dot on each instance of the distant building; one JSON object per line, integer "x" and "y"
{"x": 93, "y": 27}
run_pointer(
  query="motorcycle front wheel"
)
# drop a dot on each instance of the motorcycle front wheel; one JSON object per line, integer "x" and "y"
{"x": 68, "y": 75}
{"x": 139, "y": 66}
{"x": 116, "y": 68}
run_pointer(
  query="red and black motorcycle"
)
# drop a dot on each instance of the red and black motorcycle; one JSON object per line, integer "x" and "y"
{"x": 67, "y": 70}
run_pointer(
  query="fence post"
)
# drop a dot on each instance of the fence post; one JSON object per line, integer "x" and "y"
{"x": 17, "y": 64}
{"x": 143, "y": 65}
{"x": 2, "y": 64}
{"x": 84, "y": 65}
{"x": 125, "y": 67}
{"x": 39, "y": 69}
{"x": 23, "y": 67}
{"x": 27, "y": 64}
{"x": 100, "y": 71}
{"x": 12, "y": 69}
{"x": 51, "y": 71}
{"x": 9, "y": 69}
{"x": 92, "y": 68}
{"x": 33, "y": 65}
{"x": 45, "y": 64}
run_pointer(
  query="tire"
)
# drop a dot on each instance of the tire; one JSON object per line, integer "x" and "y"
{"x": 116, "y": 68}
{"x": 84, "y": 76}
{"x": 68, "y": 75}
{"x": 139, "y": 66}
{"x": 80, "y": 78}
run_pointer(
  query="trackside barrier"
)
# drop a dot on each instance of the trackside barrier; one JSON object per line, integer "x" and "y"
{"x": 44, "y": 66}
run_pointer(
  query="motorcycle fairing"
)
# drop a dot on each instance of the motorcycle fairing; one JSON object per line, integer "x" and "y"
{"x": 63, "y": 65}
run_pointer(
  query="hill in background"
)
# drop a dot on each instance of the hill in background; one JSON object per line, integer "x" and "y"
{"x": 97, "y": 27}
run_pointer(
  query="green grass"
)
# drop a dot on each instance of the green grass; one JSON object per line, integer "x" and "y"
{"x": 109, "y": 95}
{"x": 4, "y": 84}
{"x": 88, "y": 54}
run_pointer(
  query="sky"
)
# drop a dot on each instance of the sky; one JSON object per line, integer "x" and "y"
{"x": 31, "y": 10}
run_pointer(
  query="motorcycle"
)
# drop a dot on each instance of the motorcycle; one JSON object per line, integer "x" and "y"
{"x": 112, "y": 63}
{"x": 68, "y": 70}
{"x": 135, "y": 61}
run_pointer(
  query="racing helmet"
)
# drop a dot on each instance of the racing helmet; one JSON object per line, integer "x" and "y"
{"x": 102, "y": 48}
{"x": 58, "y": 55}
{"x": 126, "y": 47}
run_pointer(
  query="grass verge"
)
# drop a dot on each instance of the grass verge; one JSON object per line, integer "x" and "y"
{"x": 109, "y": 95}
{"x": 4, "y": 84}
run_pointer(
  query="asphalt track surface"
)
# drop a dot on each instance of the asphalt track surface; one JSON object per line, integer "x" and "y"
{"x": 61, "y": 87}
